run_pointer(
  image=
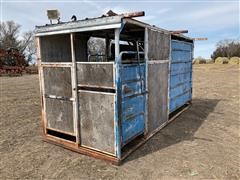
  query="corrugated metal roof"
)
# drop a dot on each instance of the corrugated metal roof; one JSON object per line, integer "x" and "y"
{"x": 91, "y": 24}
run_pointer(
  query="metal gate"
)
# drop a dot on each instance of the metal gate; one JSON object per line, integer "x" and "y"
{"x": 133, "y": 95}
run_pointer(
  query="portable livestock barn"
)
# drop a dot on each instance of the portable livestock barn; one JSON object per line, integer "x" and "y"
{"x": 107, "y": 104}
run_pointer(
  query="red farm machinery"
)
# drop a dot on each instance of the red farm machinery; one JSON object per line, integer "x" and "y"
{"x": 12, "y": 62}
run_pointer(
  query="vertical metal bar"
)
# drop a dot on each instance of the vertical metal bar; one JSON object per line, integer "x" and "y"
{"x": 169, "y": 74}
{"x": 139, "y": 67}
{"x": 191, "y": 71}
{"x": 138, "y": 56}
{"x": 41, "y": 84}
{"x": 146, "y": 78}
{"x": 118, "y": 95}
{"x": 76, "y": 123}
{"x": 107, "y": 47}
{"x": 117, "y": 46}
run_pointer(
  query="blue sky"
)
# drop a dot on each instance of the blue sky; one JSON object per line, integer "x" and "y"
{"x": 216, "y": 19}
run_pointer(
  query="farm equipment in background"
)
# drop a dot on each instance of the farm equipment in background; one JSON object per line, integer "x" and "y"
{"x": 31, "y": 70}
{"x": 12, "y": 63}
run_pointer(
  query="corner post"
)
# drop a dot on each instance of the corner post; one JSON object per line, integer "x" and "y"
{"x": 169, "y": 73}
{"x": 41, "y": 83}
{"x": 118, "y": 95}
{"x": 76, "y": 123}
{"x": 146, "y": 78}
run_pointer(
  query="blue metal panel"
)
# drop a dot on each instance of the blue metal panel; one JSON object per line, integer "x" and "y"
{"x": 132, "y": 88}
{"x": 132, "y": 107}
{"x": 181, "y": 45}
{"x": 133, "y": 101}
{"x": 181, "y": 56}
{"x": 179, "y": 79}
{"x": 132, "y": 127}
{"x": 132, "y": 72}
{"x": 179, "y": 101}
{"x": 179, "y": 68}
{"x": 180, "y": 74}
{"x": 180, "y": 89}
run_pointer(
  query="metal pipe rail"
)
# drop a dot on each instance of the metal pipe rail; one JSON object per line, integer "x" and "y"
{"x": 128, "y": 52}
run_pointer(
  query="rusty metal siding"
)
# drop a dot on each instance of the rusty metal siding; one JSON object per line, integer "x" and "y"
{"x": 56, "y": 48}
{"x": 157, "y": 95}
{"x": 158, "y": 45}
{"x": 97, "y": 120}
{"x": 180, "y": 74}
{"x": 95, "y": 74}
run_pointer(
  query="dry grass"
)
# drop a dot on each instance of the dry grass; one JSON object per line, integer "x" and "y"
{"x": 202, "y": 143}
{"x": 221, "y": 60}
{"x": 199, "y": 61}
{"x": 234, "y": 60}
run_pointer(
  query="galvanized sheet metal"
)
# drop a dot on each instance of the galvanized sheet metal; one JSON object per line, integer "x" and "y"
{"x": 81, "y": 47}
{"x": 96, "y": 74}
{"x": 157, "y": 95}
{"x": 158, "y": 45}
{"x": 57, "y": 81}
{"x": 97, "y": 120}
{"x": 80, "y": 26}
{"x": 56, "y": 48}
{"x": 59, "y": 114}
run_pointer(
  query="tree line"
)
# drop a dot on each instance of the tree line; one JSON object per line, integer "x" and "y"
{"x": 12, "y": 37}
{"x": 227, "y": 48}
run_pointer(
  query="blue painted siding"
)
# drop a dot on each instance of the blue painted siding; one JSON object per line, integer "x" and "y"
{"x": 133, "y": 101}
{"x": 180, "y": 74}
{"x": 132, "y": 107}
{"x": 132, "y": 128}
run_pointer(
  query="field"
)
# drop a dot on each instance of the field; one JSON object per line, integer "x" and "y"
{"x": 201, "y": 143}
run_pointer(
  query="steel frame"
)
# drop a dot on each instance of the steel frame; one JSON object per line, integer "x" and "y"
{"x": 76, "y": 146}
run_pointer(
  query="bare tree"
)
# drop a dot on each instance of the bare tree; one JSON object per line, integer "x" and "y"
{"x": 10, "y": 37}
{"x": 9, "y": 33}
{"x": 28, "y": 47}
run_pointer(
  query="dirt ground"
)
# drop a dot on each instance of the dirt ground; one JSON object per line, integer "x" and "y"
{"x": 202, "y": 143}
